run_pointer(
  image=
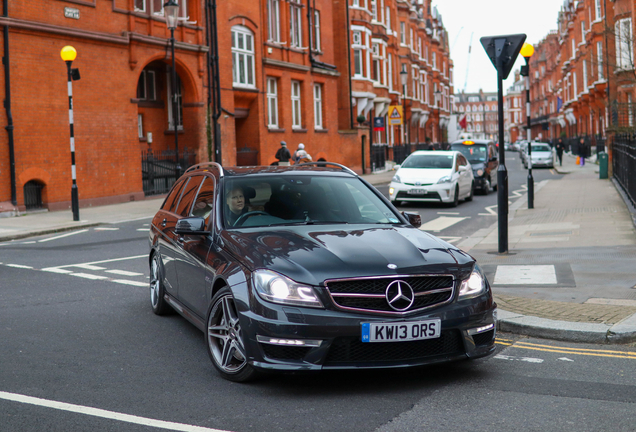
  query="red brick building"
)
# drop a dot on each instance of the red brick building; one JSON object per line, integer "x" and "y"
{"x": 295, "y": 71}
{"x": 480, "y": 113}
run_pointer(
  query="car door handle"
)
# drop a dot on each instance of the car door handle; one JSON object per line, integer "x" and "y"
{"x": 163, "y": 224}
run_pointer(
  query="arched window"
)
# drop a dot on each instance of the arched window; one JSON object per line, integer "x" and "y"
{"x": 243, "y": 57}
{"x": 33, "y": 194}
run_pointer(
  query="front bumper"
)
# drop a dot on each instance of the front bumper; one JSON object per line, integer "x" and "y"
{"x": 443, "y": 192}
{"x": 294, "y": 339}
{"x": 543, "y": 163}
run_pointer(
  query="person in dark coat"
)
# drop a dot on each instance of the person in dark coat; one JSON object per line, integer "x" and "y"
{"x": 283, "y": 154}
{"x": 560, "y": 147}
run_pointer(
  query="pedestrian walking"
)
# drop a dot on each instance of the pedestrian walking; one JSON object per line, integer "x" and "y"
{"x": 301, "y": 155}
{"x": 582, "y": 151}
{"x": 283, "y": 155}
{"x": 560, "y": 147}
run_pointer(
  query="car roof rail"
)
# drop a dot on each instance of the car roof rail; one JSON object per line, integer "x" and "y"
{"x": 325, "y": 163}
{"x": 206, "y": 164}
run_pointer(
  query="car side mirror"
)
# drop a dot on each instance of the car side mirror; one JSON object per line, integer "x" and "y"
{"x": 462, "y": 168}
{"x": 397, "y": 166}
{"x": 413, "y": 218}
{"x": 191, "y": 226}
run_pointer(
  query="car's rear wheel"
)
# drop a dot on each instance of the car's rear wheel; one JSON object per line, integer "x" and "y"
{"x": 157, "y": 289}
{"x": 224, "y": 339}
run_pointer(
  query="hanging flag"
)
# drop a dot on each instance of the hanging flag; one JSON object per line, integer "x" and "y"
{"x": 559, "y": 103}
{"x": 462, "y": 123}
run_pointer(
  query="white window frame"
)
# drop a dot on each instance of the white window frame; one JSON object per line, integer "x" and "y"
{"x": 318, "y": 123}
{"x": 249, "y": 62}
{"x": 157, "y": 8}
{"x": 295, "y": 26}
{"x": 273, "y": 20}
{"x": 315, "y": 28}
{"x": 624, "y": 44}
{"x": 140, "y": 125}
{"x": 387, "y": 19}
{"x": 402, "y": 33}
{"x": 143, "y": 6}
{"x": 374, "y": 10}
{"x": 597, "y": 9}
{"x": 296, "y": 94}
{"x": 272, "y": 103}
{"x": 584, "y": 65}
{"x": 599, "y": 59}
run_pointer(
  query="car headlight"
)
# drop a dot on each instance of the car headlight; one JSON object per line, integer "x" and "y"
{"x": 474, "y": 286}
{"x": 480, "y": 172}
{"x": 396, "y": 178}
{"x": 445, "y": 179}
{"x": 277, "y": 288}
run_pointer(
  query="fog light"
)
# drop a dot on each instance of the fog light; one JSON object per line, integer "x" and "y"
{"x": 391, "y": 190}
{"x": 289, "y": 342}
{"x": 478, "y": 330}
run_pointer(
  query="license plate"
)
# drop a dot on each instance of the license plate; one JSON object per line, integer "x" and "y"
{"x": 418, "y": 191}
{"x": 401, "y": 331}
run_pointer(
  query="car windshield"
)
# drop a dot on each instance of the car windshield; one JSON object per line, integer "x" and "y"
{"x": 435, "y": 161}
{"x": 274, "y": 200}
{"x": 540, "y": 147}
{"x": 474, "y": 153}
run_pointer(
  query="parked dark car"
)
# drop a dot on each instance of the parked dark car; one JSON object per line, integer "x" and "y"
{"x": 483, "y": 156}
{"x": 309, "y": 267}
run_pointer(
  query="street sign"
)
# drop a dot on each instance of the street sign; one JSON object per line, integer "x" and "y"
{"x": 378, "y": 124}
{"x": 504, "y": 48}
{"x": 395, "y": 115}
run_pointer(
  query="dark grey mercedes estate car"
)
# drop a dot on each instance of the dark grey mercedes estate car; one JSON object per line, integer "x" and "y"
{"x": 309, "y": 267}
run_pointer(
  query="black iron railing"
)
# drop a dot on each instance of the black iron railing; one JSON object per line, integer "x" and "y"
{"x": 158, "y": 171}
{"x": 624, "y": 163}
{"x": 400, "y": 152}
{"x": 33, "y": 195}
{"x": 378, "y": 156}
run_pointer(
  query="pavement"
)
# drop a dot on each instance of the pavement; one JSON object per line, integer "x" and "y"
{"x": 568, "y": 275}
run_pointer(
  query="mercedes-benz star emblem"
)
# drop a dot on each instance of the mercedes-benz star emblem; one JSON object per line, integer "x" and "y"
{"x": 399, "y": 295}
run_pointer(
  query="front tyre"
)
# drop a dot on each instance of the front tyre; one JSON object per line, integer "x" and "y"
{"x": 224, "y": 339}
{"x": 157, "y": 289}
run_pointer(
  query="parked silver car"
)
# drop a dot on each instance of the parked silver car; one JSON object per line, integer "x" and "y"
{"x": 542, "y": 155}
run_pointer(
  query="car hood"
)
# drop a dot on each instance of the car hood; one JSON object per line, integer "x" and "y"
{"x": 422, "y": 175}
{"x": 311, "y": 254}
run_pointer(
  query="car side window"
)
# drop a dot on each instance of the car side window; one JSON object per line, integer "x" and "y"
{"x": 173, "y": 197}
{"x": 462, "y": 160}
{"x": 204, "y": 202}
{"x": 189, "y": 192}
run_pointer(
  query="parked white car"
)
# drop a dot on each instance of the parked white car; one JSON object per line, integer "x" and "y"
{"x": 433, "y": 176}
{"x": 542, "y": 156}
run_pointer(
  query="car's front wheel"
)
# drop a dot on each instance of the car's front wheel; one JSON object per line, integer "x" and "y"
{"x": 157, "y": 289}
{"x": 472, "y": 192}
{"x": 455, "y": 201}
{"x": 224, "y": 339}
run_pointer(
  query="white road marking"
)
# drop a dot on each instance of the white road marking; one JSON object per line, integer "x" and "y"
{"x": 525, "y": 275}
{"x": 490, "y": 211}
{"x": 106, "y": 229}
{"x": 62, "y": 236}
{"x": 56, "y": 270}
{"x": 111, "y": 415}
{"x": 89, "y": 276}
{"x": 143, "y": 229}
{"x": 128, "y": 282}
{"x": 565, "y": 359}
{"x": 515, "y": 358}
{"x": 28, "y": 242}
{"x": 104, "y": 261}
{"x": 19, "y": 266}
{"x": 448, "y": 213}
{"x": 441, "y": 223}
{"x": 451, "y": 240}
{"x": 124, "y": 273}
{"x": 89, "y": 267}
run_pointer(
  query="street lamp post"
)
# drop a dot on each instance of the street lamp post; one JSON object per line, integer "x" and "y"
{"x": 171, "y": 11}
{"x": 68, "y": 54}
{"x": 526, "y": 52}
{"x": 404, "y": 76}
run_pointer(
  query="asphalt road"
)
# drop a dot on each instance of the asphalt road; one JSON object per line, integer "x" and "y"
{"x": 80, "y": 349}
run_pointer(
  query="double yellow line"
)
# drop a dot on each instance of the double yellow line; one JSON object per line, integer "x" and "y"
{"x": 565, "y": 350}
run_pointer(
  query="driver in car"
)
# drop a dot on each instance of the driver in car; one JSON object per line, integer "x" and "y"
{"x": 235, "y": 205}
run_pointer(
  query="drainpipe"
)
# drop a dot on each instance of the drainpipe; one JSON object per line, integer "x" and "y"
{"x": 218, "y": 157}
{"x": 349, "y": 60}
{"x": 208, "y": 115}
{"x": 7, "y": 102}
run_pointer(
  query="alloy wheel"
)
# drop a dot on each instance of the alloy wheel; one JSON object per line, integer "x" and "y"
{"x": 224, "y": 336}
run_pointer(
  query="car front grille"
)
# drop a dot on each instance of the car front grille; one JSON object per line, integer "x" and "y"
{"x": 427, "y": 195}
{"x": 484, "y": 338}
{"x": 346, "y": 350}
{"x": 370, "y": 294}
